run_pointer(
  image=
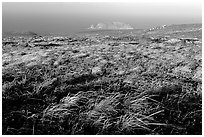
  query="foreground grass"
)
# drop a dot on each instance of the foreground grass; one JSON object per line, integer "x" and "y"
{"x": 46, "y": 100}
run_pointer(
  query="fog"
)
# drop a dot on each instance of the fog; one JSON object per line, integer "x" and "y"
{"x": 73, "y": 17}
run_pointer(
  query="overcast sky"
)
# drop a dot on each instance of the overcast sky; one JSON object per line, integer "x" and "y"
{"x": 73, "y": 17}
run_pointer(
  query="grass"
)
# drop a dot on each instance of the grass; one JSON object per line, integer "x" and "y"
{"x": 136, "y": 95}
{"x": 87, "y": 104}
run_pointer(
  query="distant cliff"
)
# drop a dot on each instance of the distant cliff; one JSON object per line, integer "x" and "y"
{"x": 111, "y": 25}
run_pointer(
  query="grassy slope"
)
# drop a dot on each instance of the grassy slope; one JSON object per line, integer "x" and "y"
{"x": 48, "y": 99}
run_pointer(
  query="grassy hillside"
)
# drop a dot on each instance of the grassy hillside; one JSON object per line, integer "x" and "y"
{"x": 143, "y": 82}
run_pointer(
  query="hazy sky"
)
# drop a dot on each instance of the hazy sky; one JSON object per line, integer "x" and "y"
{"x": 73, "y": 17}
